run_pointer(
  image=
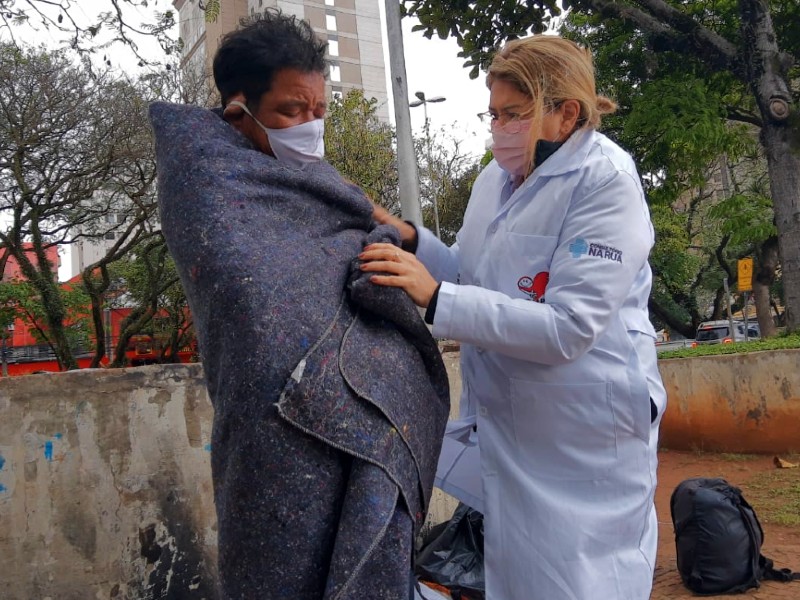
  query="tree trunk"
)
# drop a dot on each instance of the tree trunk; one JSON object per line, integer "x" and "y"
{"x": 784, "y": 168}
{"x": 132, "y": 325}
{"x": 672, "y": 321}
{"x": 780, "y": 137}
{"x": 45, "y": 283}
{"x": 763, "y": 278}
{"x": 5, "y": 355}
{"x": 96, "y": 290}
{"x": 99, "y": 329}
{"x": 55, "y": 314}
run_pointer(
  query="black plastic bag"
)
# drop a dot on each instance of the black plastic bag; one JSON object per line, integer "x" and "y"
{"x": 452, "y": 555}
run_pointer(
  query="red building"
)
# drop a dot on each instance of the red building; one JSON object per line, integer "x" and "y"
{"x": 25, "y": 353}
{"x": 12, "y": 269}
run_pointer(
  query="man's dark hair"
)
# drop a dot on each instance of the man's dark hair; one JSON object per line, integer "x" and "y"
{"x": 248, "y": 58}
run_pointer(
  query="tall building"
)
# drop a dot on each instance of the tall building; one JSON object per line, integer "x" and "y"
{"x": 352, "y": 29}
{"x": 86, "y": 251}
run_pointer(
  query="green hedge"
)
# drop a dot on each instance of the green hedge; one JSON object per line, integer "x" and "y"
{"x": 782, "y": 342}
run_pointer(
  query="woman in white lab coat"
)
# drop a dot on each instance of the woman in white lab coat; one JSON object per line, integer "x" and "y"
{"x": 547, "y": 289}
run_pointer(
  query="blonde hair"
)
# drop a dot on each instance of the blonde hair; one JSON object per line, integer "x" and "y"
{"x": 550, "y": 69}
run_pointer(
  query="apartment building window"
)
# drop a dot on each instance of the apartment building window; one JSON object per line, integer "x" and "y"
{"x": 330, "y": 22}
{"x": 330, "y": 3}
{"x": 336, "y": 73}
{"x": 333, "y": 47}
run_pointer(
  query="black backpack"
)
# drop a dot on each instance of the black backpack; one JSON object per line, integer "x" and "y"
{"x": 718, "y": 539}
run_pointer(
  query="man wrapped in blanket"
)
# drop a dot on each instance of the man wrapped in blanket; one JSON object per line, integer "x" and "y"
{"x": 330, "y": 395}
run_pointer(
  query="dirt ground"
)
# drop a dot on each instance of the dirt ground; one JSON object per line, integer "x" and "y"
{"x": 781, "y": 542}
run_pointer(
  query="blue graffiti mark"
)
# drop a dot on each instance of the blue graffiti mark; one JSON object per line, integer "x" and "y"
{"x": 207, "y": 447}
{"x": 48, "y": 450}
{"x": 58, "y": 436}
{"x": 2, "y": 462}
{"x": 2, "y": 488}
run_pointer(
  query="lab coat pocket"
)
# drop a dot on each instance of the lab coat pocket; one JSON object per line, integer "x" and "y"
{"x": 525, "y": 269}
{"x": 565, "y": 431}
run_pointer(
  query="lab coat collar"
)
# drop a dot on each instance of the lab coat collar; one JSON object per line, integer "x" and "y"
{"x": 570, "y": 157}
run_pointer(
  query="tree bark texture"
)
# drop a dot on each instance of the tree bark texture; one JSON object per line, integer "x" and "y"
{"x": 780, "y": 137}
{"x": 763, "y": 277}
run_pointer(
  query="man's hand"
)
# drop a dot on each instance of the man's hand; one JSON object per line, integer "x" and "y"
{"x": 404, "y": 271}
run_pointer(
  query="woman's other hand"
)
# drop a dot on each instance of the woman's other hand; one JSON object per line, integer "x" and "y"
{"x": 400, "y": 269}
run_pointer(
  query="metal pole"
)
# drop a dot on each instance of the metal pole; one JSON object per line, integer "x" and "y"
{"x": 109, "y": 338}
{"x": 406, "y": 160}
{"x": 745, "y": 311}
{"x": 730, "y": 314}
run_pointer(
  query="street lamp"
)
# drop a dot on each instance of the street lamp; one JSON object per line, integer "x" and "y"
{"x": 423, "y": 101}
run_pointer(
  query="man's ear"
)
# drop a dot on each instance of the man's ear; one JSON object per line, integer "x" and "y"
{"x": 233, "y": 113}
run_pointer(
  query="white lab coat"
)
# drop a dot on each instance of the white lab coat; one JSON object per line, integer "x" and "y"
{"x": 558, "y": 376}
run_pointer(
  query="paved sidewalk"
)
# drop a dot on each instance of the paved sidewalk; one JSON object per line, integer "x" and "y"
{"x": 782, "y": 544}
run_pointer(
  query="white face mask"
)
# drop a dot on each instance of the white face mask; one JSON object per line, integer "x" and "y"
{"x": 297, "y": 145}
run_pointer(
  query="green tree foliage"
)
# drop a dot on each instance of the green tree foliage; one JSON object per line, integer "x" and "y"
{"x": 682, "y": 71}
{"x": 212, "y": 10}
{"x": 63, "y": 166}
{"x": 21, "y": 301}
{"x": 453, "y": 201}
{"x": 674, "y": 120}
{"x": 446, "y": 178}
{"x": 673, "y": 301}
{"x": 150, "y": 287}
{"x": 481, "y": 26}
{"x": 694, "y": 137}
{"x": 361, "y": 147}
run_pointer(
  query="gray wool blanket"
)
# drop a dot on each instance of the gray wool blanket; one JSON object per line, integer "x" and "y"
{"x": 330, "y": 395}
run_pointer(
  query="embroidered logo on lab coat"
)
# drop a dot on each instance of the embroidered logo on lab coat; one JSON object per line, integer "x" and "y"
{"x": 534, "y": 288}
{"x": 580, "y": 247}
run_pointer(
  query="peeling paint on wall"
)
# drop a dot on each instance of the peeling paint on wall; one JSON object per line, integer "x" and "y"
{"x": 6, "y": 474}
{"x": 104, "y": 455}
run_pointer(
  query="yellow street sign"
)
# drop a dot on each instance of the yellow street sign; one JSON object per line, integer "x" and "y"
{"x": 746, "y": 274}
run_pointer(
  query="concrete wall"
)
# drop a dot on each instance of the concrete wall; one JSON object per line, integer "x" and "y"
{"x": 105, "y": 490}
{"x": 747, "y": 403}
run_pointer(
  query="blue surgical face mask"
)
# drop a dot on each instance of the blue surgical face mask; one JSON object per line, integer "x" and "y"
{"x": 297, "y": 145}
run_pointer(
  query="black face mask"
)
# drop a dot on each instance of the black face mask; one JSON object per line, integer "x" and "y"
{"x": 544, "y": 150}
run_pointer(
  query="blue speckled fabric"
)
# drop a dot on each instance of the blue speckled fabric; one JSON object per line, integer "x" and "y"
{"x": 330, "y": 395}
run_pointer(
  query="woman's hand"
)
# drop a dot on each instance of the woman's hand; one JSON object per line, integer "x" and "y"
{"x": 408, "y": 235}
{"x": 404, "y": 271}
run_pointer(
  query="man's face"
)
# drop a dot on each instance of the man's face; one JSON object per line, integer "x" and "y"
{"x": 295, "y": 97}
